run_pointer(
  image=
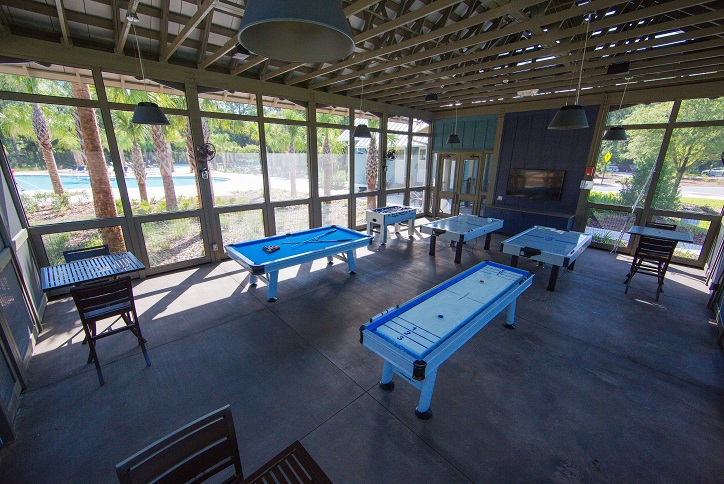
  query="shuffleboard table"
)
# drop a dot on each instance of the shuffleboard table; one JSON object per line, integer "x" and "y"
{"x": 415, "y": 338}
{"x": 560, "y": 248}
{"x": 294, "y": 249}
{"x": 459, "y": 230}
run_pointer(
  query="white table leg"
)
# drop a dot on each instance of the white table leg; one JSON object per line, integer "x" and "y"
{"x": 423, "y": 411}
{"x": 350, "y": 261}
{"x": 386, "y": 382}
{"x": 271, "y": 292}
{"x": 510, "y": 317}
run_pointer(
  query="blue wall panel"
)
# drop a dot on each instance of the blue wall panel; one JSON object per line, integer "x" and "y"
{"x": 528, "y": 143}
{"x": 476, "y": 133}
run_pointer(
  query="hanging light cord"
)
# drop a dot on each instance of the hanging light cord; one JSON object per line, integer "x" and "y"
{"x": 456, "y": 118}
{"x": 628, "y": 79}
{"x": 583, "y": 58}
{"x": 140, "y": 62}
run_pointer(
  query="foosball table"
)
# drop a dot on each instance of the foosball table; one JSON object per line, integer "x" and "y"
{"x": 381, "y": 217}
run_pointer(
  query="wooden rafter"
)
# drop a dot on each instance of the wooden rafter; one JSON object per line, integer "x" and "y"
{"x": 164, "y": 27}
{"x": 200, "y": 14}
{"x": 123, "y": 36}
{"x": 63, "y": 20}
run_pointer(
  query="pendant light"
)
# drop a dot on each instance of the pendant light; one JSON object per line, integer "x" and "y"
{"x": 617, "y": 133}
{"x": 454, "y": 139}
{"x": 145, "y": 112}
{"x": 296, "y": 30}
{"x": 573, "y": 117}
{"x": 432, "y": 97}
{"x": 362, "y": 130}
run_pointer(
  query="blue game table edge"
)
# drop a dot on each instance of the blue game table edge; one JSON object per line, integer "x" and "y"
{"x": 389, "y": 314}
{"x": 258, "y": 269}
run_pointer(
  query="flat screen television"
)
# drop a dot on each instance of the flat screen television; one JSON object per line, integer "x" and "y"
{"x": 536, "y": 184}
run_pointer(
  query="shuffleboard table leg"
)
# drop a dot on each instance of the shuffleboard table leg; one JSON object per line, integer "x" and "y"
{"x": 510, "y": 316}
{"x": 487, "y": 241}
{"x": 386, "y": 382}
{"x": 423, "y": 411}
{"x": 459, "y": 250}
{"x": 271, "y": 291}
{"x": 554, "y": 278}
{"x": 350, "y": 261}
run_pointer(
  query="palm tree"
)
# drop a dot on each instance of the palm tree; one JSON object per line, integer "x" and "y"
{"x": 372, "y": 171}
{"x": 165, "y": 166}
{"x": 103, "y": 202}
{"x": 130, "y": 136}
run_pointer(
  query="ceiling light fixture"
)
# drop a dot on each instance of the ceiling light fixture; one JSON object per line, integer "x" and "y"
{"x": 617, "y": 133}
{"x": 362, "y": 130}
{"x": 296, "y": 30}
{"x": 574, "y": 117}
{"x": 454, "y": 139}
{"x": 145, "y": 112}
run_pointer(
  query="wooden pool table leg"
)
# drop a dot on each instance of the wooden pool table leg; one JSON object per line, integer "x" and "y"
{"x": 271, "y": 292}
{"x": 423, "y": 411}
{"x": 350, "y": 261}
{"x": 510, "y": 316}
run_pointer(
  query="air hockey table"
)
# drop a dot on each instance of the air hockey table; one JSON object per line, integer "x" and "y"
{"x": 560, "y": 248}
{"x": 294, "y": 249}
{"x": 391, "y": 215}
{"x": 415, "y": 338}
{"x": 459, "y": 230}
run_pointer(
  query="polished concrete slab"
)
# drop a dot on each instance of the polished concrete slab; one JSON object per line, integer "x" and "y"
{"x": 593, "y": 385}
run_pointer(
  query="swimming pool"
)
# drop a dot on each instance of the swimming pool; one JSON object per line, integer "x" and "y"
{"x": 82, "y": 182}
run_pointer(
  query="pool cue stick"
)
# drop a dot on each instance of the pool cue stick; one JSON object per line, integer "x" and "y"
{"x": 313, "y": 239}
{"x": 320, "y": 241}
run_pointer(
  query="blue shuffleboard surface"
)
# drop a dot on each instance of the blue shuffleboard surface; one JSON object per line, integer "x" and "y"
{"x": 420, "y": 325}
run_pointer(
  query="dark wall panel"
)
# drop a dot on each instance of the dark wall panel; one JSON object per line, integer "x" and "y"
{"x": 528, "y": 143}
{"x": 476, "y": 133}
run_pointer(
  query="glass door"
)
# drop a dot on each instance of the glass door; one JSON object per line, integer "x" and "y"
{"x": 468, "y": 181}
{"x": 457, "y": 183}
{"x": 447, "y": 185}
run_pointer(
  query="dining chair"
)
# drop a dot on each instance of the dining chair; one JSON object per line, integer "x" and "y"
{"x": 194, "y": 453}
{"x": 652, "y": 257}
{"x": 86, "y": 253}
{"x": 659, "y": 225}
{"x": 103, "y": 300}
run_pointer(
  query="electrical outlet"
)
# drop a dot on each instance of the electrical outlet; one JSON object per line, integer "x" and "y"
{"x": 214, "y": 247}
{"x": 500, "y": 198}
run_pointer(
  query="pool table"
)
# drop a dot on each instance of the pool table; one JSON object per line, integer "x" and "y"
{"x": 294, "y": 249}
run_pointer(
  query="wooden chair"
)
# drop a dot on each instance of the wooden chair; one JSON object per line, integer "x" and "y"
{"x": 652, "y": 257}
{"x": 193, "y": 453}
{"x": 658, "y": 225}
{"x": 86, "y": 253}
{"x": 292, "y": 465}
{"x": 102, "y": 300}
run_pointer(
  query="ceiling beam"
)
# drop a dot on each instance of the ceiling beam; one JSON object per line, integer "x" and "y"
{"x": 121, "y": 41}
{"x": 205, "y": 39}
{"x": 164, "y": 27}
{"x": 200, "y": 14}
{"x": 63, "y": 20}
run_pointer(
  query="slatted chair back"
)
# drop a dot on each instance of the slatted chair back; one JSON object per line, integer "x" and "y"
{"x": 652, "y": 257}
{"x": 194, "y": 453}
{"x": 659, "y": 225}
{"x": 86, "y": 253}
{"x": 103, "y": 300}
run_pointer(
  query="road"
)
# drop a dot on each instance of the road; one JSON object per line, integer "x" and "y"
{"x": 714, "y": 190}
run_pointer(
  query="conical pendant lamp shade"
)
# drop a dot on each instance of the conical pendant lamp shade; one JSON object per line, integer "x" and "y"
{"x": 296, "y": 30}
{"x": 149, "y": 113}
{"x": 453, "y": 139}
{"x": 361, "y": 131}
{"x": 616, "y": 133}
{"x": 569, "y": 117}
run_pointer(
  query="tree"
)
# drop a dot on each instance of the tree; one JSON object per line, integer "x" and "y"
{"x": 165, "y": 166}
{"x": 103, "y": 202}
{"x": 372, "y": 171}
{"x": 130, "y": 136}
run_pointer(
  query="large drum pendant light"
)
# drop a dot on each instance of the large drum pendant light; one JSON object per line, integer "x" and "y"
{"x": 296, "y": 30}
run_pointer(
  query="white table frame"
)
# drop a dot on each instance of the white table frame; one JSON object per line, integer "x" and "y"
{"x": 459, "y": 230}
{"x": 375, "y": 218}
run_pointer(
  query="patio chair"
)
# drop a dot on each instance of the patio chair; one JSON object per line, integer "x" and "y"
{"x": 652, "y": 257}
{"x": 103, "y": 300}
{"x": 193, "y": 453}
{"x": 658, "y": 225}
{"x": 86, "y": 253}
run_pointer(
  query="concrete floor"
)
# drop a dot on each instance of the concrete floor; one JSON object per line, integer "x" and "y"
{"x": 593, "y": 385}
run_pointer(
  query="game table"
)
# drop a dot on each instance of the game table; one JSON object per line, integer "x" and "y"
{"x": 294, "y": 249}
{"x": 560, "y": 248}
{"x": 393, "y": 214}
{"x": 415, "y": 338}
{"x": 459, "y": 230}
{"x": 88, "y": 270}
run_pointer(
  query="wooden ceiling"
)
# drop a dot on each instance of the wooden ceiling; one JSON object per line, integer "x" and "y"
{"x": 467, "y": 52}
